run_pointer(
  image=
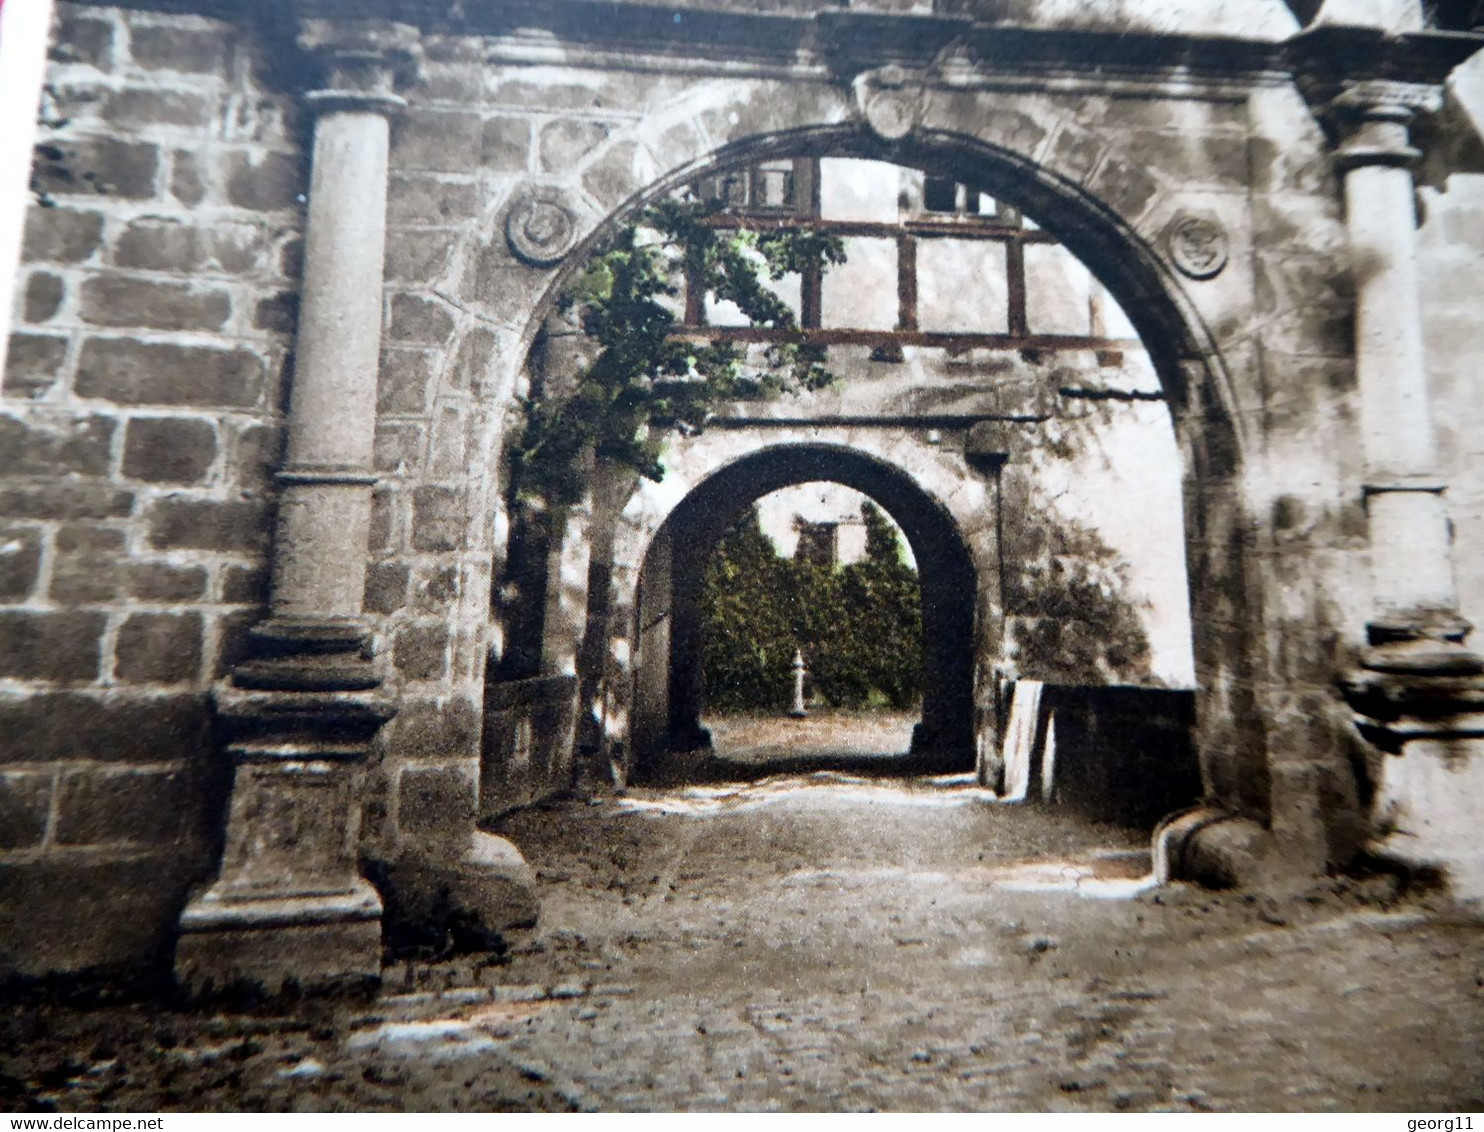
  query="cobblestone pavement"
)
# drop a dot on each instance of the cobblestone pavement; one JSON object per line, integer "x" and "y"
{"x": 827, "y": 942}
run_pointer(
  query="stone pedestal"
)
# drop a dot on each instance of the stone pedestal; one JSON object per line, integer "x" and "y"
{"x": 1429, "y": 804}
{"x": 289, "y": 908}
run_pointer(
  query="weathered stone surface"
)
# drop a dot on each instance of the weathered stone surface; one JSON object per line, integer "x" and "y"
{"x": 245, "y": 585}
{"x": 159, "y": 648}
{"x": 154, "y": 245}
{"x": 119, "y": 301}
{"x": 82, "y": 39}
{"x": 163, "y": 582}
{"x": 384, "y": 506}
{"x": 20, "y": 561}
{"x": 44, "y": 295}
{"x": 111, "y": 726}
{"x": 420, "y": 320}
{"x": 61, "y": 235}
{"x": 403, "y": 382}
{"x": 117, "y": 804}
{"x": 278, "y": 312}
{"x": 418, "y": 255}
{"x": 269, "y": 182}
{"x": 233, "y": 642}
{"x": 40, "y": 446}
{"x": 412, "y": 199}
{"x": 567, "y": 141}
{"x": 398, "y": 447}
{"x": 507, "y": 144}
{"x": 612, "y": 179}
{"x": 434, "y": 798}
{"x": 50, "y": 646}
{"x": 128, "y": 109}
{"x": 386, "y": 587}
{"x": 432, "y": 729}
{"x": 25, "y": 808}
{"x": 438, "y": 141}
{"x": 435, "y": 589}
{"x": 1126, "y": 186}
{"x": 204, "y": 524}
{"x": 33, "y": 364}
{"x": 169, "y": 449}
{"x": 172, "y": 48}
{"x": 257, "y": 452}
{"x": 89, "y": 564}
{"x": 65, "y": 499}
{"x": 128, "y": 372}
{"x": 142, "y": 894}
{"x": 437, "y": 518}
{"x": 421, "y": 651}
{"x": 472, "y": 363}
{"x": 99, "y": 167}
{"x": 188, "y": 178}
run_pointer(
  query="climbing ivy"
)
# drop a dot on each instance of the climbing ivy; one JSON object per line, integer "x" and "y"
{"x": 859, "y": 626}
{"x": 645, "y": 380}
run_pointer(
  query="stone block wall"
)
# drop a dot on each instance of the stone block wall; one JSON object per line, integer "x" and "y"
{"x": 138, "y": 430}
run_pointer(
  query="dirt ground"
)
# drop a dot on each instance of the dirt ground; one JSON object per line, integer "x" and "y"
{"x": 828, "y": 941}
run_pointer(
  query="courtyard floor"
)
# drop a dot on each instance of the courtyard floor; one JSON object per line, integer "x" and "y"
{"x": 827, "y": 941}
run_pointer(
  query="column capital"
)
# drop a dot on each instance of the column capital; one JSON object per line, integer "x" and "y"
{"x": 362, "y": 63}
{"x": 1372, "y": 121}
{"x": 1386, "y": 97}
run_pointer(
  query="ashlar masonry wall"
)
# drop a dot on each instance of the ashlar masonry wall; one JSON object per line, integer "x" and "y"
{"x": 138, "y": 431}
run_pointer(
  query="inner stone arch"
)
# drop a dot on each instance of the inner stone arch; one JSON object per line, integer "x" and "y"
{"x": 668, "y": 694}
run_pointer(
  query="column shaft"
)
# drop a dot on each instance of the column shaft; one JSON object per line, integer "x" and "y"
{"x": 319, "y": 568}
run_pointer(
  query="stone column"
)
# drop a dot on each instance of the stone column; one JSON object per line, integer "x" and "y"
{"x": 289, "y": 907}
{"x": 1415, "y": 626}
{"x": 1419, "y": 693}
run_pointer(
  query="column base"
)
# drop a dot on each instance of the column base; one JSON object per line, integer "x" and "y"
{"x": 1430, "y": 807}
{"x": 1429, "y": 802}
{"x": 270, "y": 946}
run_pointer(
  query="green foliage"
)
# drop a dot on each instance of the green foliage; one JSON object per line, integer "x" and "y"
{"x": 1070, "y": 623}
{"x": 646, "y": 380}
{"x": 860, "y": 626}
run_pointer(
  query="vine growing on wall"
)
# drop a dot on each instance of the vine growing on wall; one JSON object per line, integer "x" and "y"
{"x": 645, "y": 380}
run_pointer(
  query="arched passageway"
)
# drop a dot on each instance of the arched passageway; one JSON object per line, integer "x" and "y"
{"x": 669, "y": 678}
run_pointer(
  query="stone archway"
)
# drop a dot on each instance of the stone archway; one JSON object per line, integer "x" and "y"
{"x": 1191, "y": 366}
{"x": 957, "y": 567}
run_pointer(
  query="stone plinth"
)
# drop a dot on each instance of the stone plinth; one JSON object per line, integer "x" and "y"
{"x": 289, "y": 908}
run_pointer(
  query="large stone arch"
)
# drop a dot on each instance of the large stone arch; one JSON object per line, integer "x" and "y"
{"x": 1254, "y": 362}
{"x": 1190, "y": 362}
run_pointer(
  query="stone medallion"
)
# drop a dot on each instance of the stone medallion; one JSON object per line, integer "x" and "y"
{"x": 1198, "y": 245}
{"x": 541, "y": 226}
{"x": 889, "y": 102}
